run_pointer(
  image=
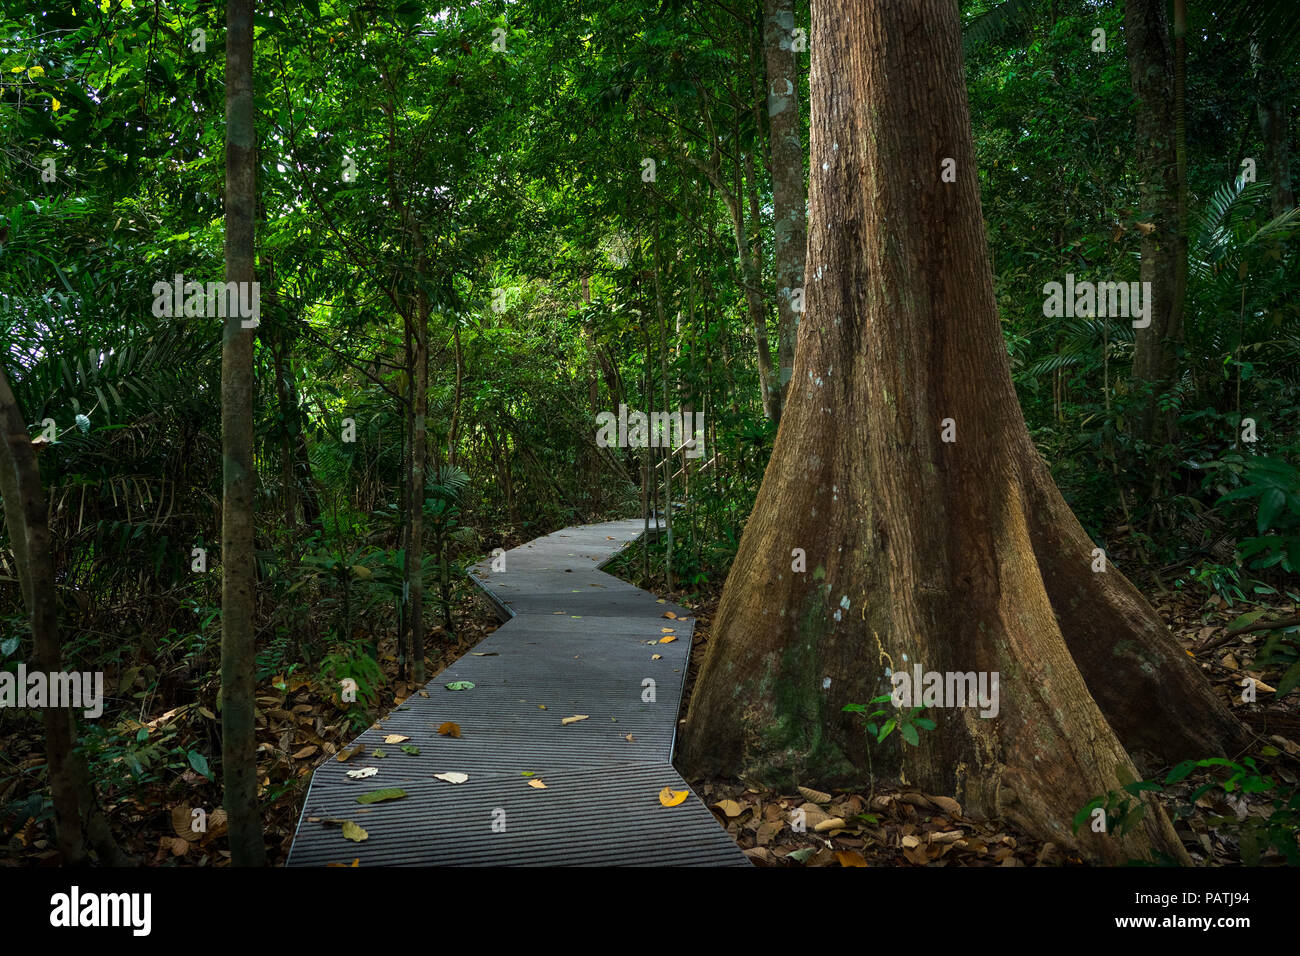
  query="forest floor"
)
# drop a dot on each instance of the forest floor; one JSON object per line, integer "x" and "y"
{"x": 893, "y": 827}
{"x": 299, "y": 728}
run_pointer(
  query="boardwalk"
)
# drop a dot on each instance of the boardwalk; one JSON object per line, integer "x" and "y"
{"x": 577, "y": 644}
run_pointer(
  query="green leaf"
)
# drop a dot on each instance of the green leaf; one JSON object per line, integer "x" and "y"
{"x": 199, "y": 763}
{"x": 1289, "y": 680}
{"x": 909, "y": 734}
{"x": 801, "y": 856}
{"x": 460, "y": 685}
{"x": 9, "y": 646}
{"x": 1269, "y": 505}
{"x": 1180, "y": 772}
{"x": 378, "y": 796}
{"x": 408, "y": 749}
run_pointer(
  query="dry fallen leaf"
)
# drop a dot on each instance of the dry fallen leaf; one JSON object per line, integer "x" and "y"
{"x": 356, "y": 862}
{"x": 449, "y": 729}
{"x": 850, "y": 858}
{"x": 730, "y": 807}
{"x": 669, "y": 639}
{"x": 816, "y": 796}
{"x": 452, "y": 777}
{"x": 670, "y": 615}
{"x": 356, "y": 751}
{"x": 656, "y": 657}
{"x": 666, "y": 630}
{"x": 395, "y": 739}
{"x": 537, "y": 784}
{"x": 629, "y": 738}
{"x": 305, "y": 752}
{"x": 948, "y": 805}
{"x": 182, "y": 823}
{"x": 574, "y": 719}
{"x": 671, "y": 798}
{"x": 362, "y": 773}
{"x": 833, "y": 823}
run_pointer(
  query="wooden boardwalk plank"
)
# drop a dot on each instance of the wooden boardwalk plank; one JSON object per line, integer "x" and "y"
{"x": 600, "y": 806}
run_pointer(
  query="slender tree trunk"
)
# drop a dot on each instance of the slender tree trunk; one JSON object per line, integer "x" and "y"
{"x": 788, "y": 197}
{"x": 453, "y": 430}
{"x": 1164, "y": 248}
{"x": 952, "y": 556}
{"x": 1273, "y": 110}
{"x": 238, "y": 644}
{"x": 419, "y": 460}
{"x": 26, "y": 516}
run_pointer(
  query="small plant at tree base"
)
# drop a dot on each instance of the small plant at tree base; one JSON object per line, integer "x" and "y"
{"x": 1280, "y": 829}
{"x": 907, "y": 723}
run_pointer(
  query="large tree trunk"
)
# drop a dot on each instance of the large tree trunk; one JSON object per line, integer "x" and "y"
{"x": 238, "y": 643}
{"x": 955, "y": 556}
{"x": 1164, "y": 247}
{"x": 788, "y": 198}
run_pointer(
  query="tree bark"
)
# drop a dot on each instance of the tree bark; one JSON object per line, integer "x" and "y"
{"x": 790, "y": 237}
{"x": 238, "y": 639}
{"x": 1164, "y": 248}
{"x": 1274, "y": 114}
{"x": 26, "y": 516}
{"x": 958, "y": 556}
{"x": 419, "y": 459}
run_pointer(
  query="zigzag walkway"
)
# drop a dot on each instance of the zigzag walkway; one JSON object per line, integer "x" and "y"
{"x": 577, "y": 643}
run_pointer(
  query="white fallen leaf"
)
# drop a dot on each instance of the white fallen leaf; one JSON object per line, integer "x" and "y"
{"x": 452, "y": 777}
{"x": 361, "y": 772}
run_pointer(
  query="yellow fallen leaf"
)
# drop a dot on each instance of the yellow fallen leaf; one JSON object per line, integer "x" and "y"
{"x": 834, "y": 823}
{"x": 656, "y": 657}
{"x": 671, "y": 798}
{"x": 666, "y": 630}
{"x": 395, "y": 739}
{"x": 537, "y": 784}
{"x": 449, "y": 729}
{"x": 850, "y": 858}
{"x": 730, "y": 807}
{"x": 668, "y": 640}
{"x": 353, "y": 832}
{"x": 629, "y": 738}
{"x": 670, "y": 615}
{"x": 541, "y": 706}
{"x": 574, "y": 719}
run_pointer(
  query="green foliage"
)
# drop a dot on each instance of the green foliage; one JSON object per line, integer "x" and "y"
{"x": 906, "y": 722}
{"x": 1277, "y": 828}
